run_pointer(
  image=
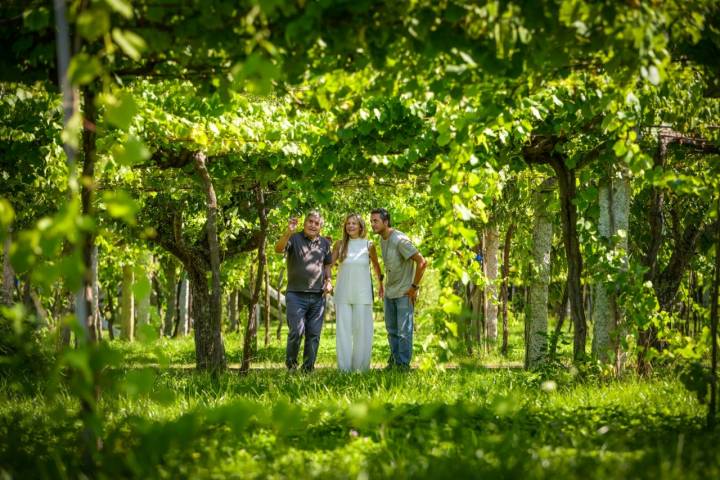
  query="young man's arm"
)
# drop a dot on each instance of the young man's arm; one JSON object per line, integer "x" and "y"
{"x": 420, "y": 266}
{"x": 283, "y": 240}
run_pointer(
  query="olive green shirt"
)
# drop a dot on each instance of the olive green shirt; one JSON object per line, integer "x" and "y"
{"x": 399, "y": 268}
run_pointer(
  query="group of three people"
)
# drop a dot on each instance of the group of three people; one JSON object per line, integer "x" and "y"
{"x": 310, "y": 258}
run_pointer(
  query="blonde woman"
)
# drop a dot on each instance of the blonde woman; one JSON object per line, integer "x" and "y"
{"x": 354, "y": 295}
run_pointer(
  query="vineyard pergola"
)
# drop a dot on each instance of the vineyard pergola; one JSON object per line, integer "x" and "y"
{"x": 553, "y": 159}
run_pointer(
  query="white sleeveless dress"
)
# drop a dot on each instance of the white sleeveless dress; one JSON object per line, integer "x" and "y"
{"x": 353, "y": 307}
{"x": 353, "y": 283}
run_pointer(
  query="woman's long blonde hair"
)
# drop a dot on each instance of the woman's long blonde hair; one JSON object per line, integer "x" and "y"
{"x": 346, "y": 237}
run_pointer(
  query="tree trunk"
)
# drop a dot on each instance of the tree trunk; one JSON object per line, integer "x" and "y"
{"x": 208, "y": 356}
{"x": 25, "y": 297}
{"x": 143, "y": 303}
{"x": 266, "y": 309}
{"x": 251, "y": 331}
{"x": 568, "y": 215}
{"x": 127, "y": 304}
{"x": 476, "y": 299}
{"x": 536, "y": 321}
{"x": 685, "y": 328}
{"x": 697, "y": 298}
{"x": 466, "y": 291}
{"x": 84, "y": 298}
{"x": 64, "y": 333}
{"x": 183, "y": 317}
{"x": 505, "y": 281}
{"x": 209, "y": 348}
{"x": 170, "y": 270}
{"x": 614, "y": 200}
{"x": 8, "y": 282}
{"x": 562, "y": 312}
{"x": 668, "y": 281}
{"x": 87, "y": 194}
{"x": 33, "y": 304}
{"x": 712, "y": 407}
{"x": 480, "y": 319}
{"x": 70, "y": 106}
{"x": 281, "y": 319}
{"x": 111, "y": 315}
{"x": 97, "y": 318}
{"x": 589, "y": 299}
{"x": 476, "y": 320}
{"x": 64, "y": 305}
{"x": 492, "y": 243}
{"x": 233, "y": 310}
{"x": 656, "y": 219}
{"x": 157, "y": 299}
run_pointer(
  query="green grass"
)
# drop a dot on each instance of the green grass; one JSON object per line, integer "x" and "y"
{"x": 159, "y": 419}
{"x": 181, "y": 351}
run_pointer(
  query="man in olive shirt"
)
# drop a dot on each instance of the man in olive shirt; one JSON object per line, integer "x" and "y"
{"x": 309, "y": 259}
{"x": 404, "y": 268}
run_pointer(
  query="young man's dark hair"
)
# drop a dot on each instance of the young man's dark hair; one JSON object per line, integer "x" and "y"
{"x": 384, "y": 215}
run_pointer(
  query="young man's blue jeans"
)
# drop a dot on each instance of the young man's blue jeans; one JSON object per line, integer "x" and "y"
{"x": 305, "y": 312}
{"x": 399, "y": 324}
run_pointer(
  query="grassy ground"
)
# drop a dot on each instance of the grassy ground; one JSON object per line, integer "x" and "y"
{"x": 158, "y": 419}
{"x": 182, "y": 354}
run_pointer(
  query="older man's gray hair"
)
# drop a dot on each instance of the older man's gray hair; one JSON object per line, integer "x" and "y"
{"x": 315, "y": 213}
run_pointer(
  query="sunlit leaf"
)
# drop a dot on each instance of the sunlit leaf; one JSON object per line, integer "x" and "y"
{"x": 132, "y": 44}
{"x": 120, "y": 110}
{"x": 93, "y": 23}
{"x": 83, "y": 69}
{"x": 123, "y": 7}
{"x": 132, "y": 152}
{"x": 120, "y": 204}
{"x": 7, "y": 214}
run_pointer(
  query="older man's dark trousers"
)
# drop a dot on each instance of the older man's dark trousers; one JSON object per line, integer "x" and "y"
{"x": 305, "y": 312}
